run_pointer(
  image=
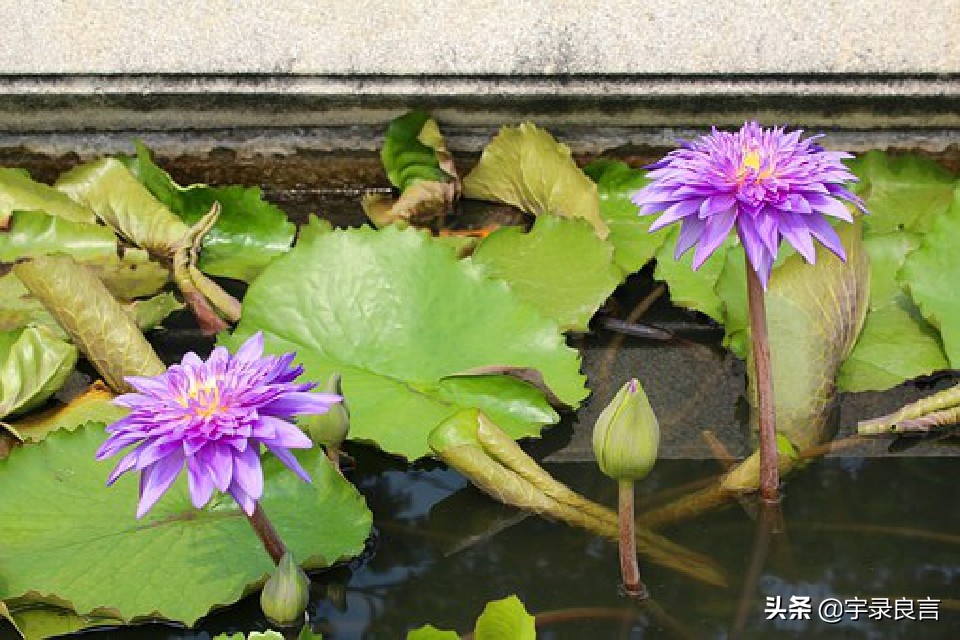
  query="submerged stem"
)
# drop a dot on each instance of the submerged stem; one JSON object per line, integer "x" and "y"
{"x": 629, "y": 568}
{"x": 763, "y": 380}
{"x": 268, "y": 535}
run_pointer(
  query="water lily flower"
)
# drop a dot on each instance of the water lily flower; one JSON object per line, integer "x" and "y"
{"x": 213, "y": 416}
{"x": 767, "y": 183}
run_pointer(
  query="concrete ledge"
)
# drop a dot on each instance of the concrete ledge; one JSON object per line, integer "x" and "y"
{"x": 470, "y": 37}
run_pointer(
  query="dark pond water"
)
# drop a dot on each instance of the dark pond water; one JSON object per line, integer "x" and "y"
{"x": 853, "y": 528}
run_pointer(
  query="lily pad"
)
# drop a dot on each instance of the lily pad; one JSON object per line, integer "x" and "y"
{"x": 64, "y": 532}
{"x": 527, "y": 168}
{"x": 501, "y": 619}
{"x": 896, "y": 343}
{"x": 41, "y": 621}
{"x": 616, "y": 182}
{"x": 561, "y": 267}
{"x": 34, "y": 364}
{"x": 247, "y": 236}
{"x": 931, "y": 273}
{"x": 92, "y": 405}
{"x": 902, "y": 192}
{"x": 399, "y": 316}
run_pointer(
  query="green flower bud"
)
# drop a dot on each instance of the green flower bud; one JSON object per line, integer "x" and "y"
{"x": 626, "y": 436}
{"x": 330, "y": 428}
{"x": 285, "y": 596}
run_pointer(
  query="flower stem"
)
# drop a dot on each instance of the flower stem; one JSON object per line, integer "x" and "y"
{"x": 763, "y": 379}
{"x": 268, "y": 535}
{"x": 629, "y": 568}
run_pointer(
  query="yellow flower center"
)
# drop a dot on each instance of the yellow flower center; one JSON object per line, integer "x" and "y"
{"x": 206, "y": 394}
{"x": 751, "y": 160}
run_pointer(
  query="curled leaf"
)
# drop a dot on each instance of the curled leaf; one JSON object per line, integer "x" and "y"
{"x": 93, "y": 405}
{"x": 95, "y": 321}
{"x": 419, "y": 203}
{"x": 118, "y": 198}
{"x": 19, "y": 192}
{"x": 527, "y": 168}
{"x": 34, "y": 233}
{"x": 414, "y": 151}
{"x": 249, "y": 232}
{"x": 34, "y": 364}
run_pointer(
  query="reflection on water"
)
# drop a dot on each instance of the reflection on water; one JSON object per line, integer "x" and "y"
{"x": 857, "y": 530}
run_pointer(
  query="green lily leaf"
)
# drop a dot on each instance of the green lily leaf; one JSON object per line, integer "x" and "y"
{"x": 896, "y": 343}
{"x": 397, "y": 314}
{"x": 561, "y": 267}
{"x": 902, "y": 192}
{"x": 814, "y": 314}
{"x": 694, "y": 289}
{"x": 930, "y": 274}
{"x": 38, "y": 621}
{"x": 527, "y": 168}
{"x": 19, "y": 192}
{"x": 34, "y": 364}
{"x": 249, "y": 233}
{"x": 19, "y": 309}
{"x": 430, "y": 632}
{"x": 63, "y": 532}
{"x": 414, "y": 151}
{"x": 616, "y": 181}
{"x": 150, "y": 313}
{"x": 34, "y": 233}
{"x": 505, "y": 618}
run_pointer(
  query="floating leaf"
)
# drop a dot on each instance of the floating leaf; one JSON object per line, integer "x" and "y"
{"x": 617, "y": 182}
{"x": 34, "y": 233}
{"x": 561, "y": 267}
{"x": 896, "y": 343}
{"x": 814, "y": 314}
{"x": 500, "y": 619}
{"x": 396, "y": 313}
{"x": 95, "y": 322}
{"x": 34, "y": 364}
{"x": 526, "y": 168}
{"x": 37, "y": 621}
{"x": 151, "y": 313}
{"x": 902, "y": 192}
{"x": 505, "y": 618}
{"x": 249, "y": 233}
{"x": 19, "y": 192}
{"x": 430, "y": 632}
{"x": 931, "y": 273}
{"x": 63, "y": 532}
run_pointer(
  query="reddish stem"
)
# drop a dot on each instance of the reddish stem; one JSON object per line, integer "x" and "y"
{"x": 763, "y": 380}
{"x": 629, "y": 568}
{"x": 268, "y": 535}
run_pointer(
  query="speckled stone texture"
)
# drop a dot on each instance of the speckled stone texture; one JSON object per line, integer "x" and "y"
{"x": 470, "y": 37}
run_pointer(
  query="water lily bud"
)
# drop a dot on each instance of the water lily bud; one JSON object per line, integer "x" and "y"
{"x": 285, "y": 596}
{"x": 626, "y": 436}
{"x": 330, "y": 428}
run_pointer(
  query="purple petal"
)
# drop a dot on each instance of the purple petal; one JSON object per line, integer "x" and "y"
{"x": 797, "y": 234}
{"x": 690, "y": 232}
{"x": 297, "y": 403}
{"x": 714, "y": 233}
{"x": 199, "y": 482}
{"x": 290, "y": 460}
{"x": 219, "y": 460}
{"x": 156, "y": 479}
{"x": 674, "y": 212}
{"x": 246, "y": 502}
{"x": 252, "y": 349}
{"x": 247, "y": 472}
{"x": 286, "y": 435}
{"x": 822, "y": 231}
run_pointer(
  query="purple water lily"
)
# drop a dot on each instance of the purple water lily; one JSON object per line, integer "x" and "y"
{"x": 213, "y": 416}
{"x": 768, "y": 183}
